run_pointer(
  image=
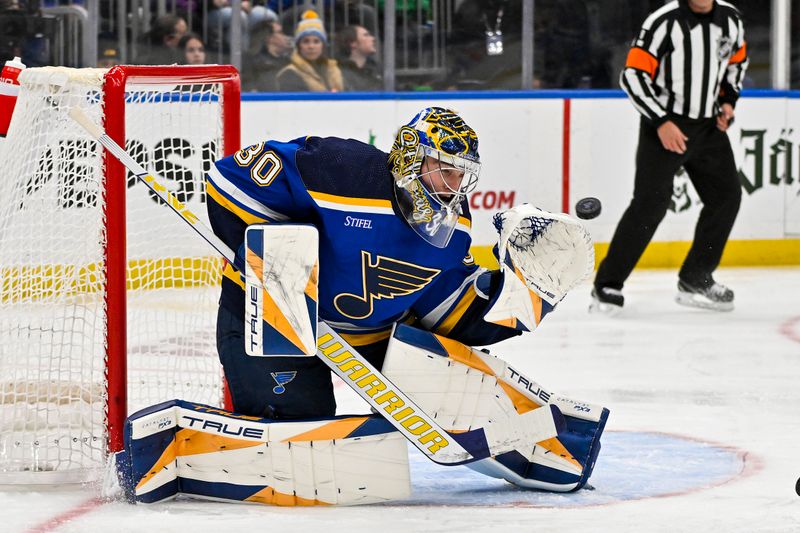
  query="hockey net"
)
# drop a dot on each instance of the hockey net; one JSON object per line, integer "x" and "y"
{"x": 107, "y": 299}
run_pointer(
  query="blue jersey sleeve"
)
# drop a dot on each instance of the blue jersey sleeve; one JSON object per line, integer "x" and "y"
{"x": 456, "y": 304}
{"x": 257, "y": 184}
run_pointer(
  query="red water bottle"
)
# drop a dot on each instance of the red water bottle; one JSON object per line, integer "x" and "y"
{"x": 9, "y": 90}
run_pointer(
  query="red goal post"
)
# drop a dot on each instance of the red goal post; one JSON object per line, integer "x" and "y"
{"x": 107, "y": 301}
{"x": 116, "y": 80}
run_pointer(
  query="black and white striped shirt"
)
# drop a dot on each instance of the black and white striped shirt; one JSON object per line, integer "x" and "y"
{"x": 686, "y": 64}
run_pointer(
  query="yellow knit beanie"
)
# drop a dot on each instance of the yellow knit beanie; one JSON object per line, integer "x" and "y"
{"x": 310, "y": 24}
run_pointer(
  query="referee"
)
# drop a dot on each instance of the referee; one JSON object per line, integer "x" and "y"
{"x": 683, "y": 74}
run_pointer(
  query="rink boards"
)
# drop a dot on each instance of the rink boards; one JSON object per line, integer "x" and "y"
{"x": 553, "y": 148}
{"x": 546, "y": 148}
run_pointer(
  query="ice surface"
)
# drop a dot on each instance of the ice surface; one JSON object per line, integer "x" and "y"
{"x": 635, "y": 465}
{"x": 704, "y": 432}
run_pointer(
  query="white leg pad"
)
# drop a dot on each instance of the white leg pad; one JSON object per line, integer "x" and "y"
{"x": 463, "y": 391}
{"x": 184, "y": 448}
{"x": 537, "y": 439}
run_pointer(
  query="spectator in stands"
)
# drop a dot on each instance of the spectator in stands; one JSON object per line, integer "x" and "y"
{"x": 485, "y": 49}
{"x": 190, "y": 10}
{"x": 338, "y": 13}
{"x": 220, "y": 14}
{"x": 617, "y": 23}
{"x": 9, "y": 5}
{"x": 14, "y": 34}
{"x": 795, "y": 53}
{"x": 268, "y": 55}
{"x": 193, "y": 50}
{"x": 572, "y": 60}
{"x": 24, "y": 33}
{"x": 356, "y": 50}
{"x": 310, "y": 69}
{"x": 163, "y": 38}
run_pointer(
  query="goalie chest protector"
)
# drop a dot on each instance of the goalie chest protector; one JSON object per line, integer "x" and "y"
{"x": 373, "y": 266}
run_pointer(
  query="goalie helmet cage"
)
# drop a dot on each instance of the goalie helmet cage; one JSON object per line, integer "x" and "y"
{"x": 107, "y": 301}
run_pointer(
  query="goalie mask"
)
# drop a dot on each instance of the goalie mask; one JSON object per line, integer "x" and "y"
{"x": 435, "y": 164}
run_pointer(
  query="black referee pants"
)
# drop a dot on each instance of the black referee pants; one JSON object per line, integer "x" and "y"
{"x": 709, "y": 162}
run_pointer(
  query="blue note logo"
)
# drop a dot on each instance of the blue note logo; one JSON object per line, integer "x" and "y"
{"x": 282, "y": 378}
{"x": 382, "y": 278}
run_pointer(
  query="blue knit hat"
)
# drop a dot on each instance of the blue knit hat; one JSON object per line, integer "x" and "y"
{"x": 310, "y": 24}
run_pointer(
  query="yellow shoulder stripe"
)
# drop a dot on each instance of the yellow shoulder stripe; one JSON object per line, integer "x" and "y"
{"x": 232, "y": 207}
{"x": 345, "y": 200}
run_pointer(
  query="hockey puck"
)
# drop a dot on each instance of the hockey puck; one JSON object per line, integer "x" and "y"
{"x": 587, "y": 208}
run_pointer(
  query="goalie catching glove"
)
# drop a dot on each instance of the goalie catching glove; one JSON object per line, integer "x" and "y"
{"x": 542, "y": 256}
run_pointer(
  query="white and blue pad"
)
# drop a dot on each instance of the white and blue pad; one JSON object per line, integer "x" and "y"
{"x": 281, "y": 273}
{"x": 537, "y": 439}
{"x": 180, "y": 447}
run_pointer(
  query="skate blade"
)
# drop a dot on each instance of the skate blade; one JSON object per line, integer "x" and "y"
{"x": 602, "y": 308}
{"x": 701, "y": 302}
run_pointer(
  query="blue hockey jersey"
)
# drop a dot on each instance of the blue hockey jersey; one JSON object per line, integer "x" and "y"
{"x": 374, "y": 269}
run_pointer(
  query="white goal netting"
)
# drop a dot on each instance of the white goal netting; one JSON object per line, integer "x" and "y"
{"x": 55, "y": 214}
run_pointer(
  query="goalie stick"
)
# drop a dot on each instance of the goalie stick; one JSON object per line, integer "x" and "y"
{"x": 377, "y": 390}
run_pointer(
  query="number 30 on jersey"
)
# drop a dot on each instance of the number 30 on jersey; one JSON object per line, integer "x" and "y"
{"x": 264, "y": 167}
